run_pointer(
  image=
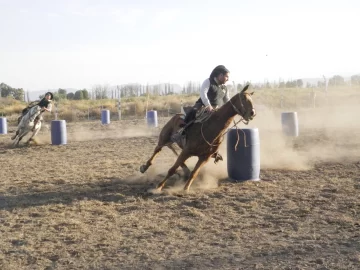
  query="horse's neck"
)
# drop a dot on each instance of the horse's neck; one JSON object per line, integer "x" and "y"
{"x": 221, "y": 119}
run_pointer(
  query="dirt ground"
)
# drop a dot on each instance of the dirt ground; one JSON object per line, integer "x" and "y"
{"x": 85, "y": 205}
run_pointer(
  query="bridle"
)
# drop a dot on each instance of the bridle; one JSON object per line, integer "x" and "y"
{"x": 239, "y": 111}
{"x": 234, "y": 125}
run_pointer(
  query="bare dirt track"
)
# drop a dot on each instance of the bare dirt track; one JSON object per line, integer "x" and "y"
{"x": 84, "y": 205}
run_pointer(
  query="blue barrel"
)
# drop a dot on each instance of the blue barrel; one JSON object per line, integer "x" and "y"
{"x": 3, "y": 125}
{"x": 151, "y": 118}
{"x": 58, "y": 132}
{"x": 289, "y": 122}
{"x": 244, "y": 162}
{"x": 105, "y": 117}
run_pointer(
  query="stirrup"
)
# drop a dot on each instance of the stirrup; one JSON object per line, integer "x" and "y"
{"x": 217, "y": 157}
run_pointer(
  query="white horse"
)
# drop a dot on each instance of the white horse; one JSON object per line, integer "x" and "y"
{"x": 26, "y": 125}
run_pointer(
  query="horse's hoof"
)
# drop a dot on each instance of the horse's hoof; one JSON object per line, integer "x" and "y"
{"x": 143, "y": 168}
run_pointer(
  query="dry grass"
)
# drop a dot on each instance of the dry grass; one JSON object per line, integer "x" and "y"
{"x": 74, "y": 110}
{"x": 84, "y": 205}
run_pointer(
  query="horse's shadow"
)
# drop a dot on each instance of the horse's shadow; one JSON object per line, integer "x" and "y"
{"x": 110, "y": 189}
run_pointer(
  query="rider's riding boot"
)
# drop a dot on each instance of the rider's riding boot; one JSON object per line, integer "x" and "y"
{"x": 177, "y": 136}
{"x": 189, "y": 119}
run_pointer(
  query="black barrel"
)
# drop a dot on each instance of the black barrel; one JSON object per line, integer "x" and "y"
{"x": 244, "y": 162}
{"x": 58, "y": 132}
{"x": 151, "y": 117}
{"x": 289, "y": 122}
{"x": 3, "y": 125}
{"x": 105, "y": 117}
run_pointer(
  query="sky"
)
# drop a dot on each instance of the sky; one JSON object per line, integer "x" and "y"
{"x": 48, "y": 44}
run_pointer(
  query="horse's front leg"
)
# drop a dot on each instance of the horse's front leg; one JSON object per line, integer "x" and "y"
{"x": 30, "y": 139}
{"x": 183, "y": 165}
{"x": 18, "y": 139}
{"x": 195, "y": 172}
{"x": 34, "y": 133}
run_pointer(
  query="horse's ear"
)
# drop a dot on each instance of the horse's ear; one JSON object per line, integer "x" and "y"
{"x": 245, "y": 88}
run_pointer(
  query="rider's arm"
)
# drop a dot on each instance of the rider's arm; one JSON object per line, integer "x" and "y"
{"x": 48, "y": 108}
{"x": 203, "y": 92}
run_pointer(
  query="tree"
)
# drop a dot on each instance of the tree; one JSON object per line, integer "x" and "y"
{"x": 5, "y": 90}
{"x": 100, "y": 91}
{"x": 8, "y": 91}
{"x": 62, "y": 93}
{"x": 320, "y": 84}
{"x": 299, "y": 83}
{"x": 70, "y": 96}
{"x": 79, "y": 95}
{"x": 18, "y": 94}
{"x": 336, "y": 81}
{"x": 85, "y": 94}
{"x": 355, "y": 79}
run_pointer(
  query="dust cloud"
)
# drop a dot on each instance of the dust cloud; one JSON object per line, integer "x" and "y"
{"x": 88, "y": 134}
{"x": 326, "y": 134}
{"x": 329, "y": 133}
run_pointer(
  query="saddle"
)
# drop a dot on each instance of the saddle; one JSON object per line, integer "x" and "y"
{"x": 26, "y": 110}
{"x": 201, "y": 116}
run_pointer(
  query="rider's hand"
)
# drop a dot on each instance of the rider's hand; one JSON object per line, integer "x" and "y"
{"x": 209, "y": 108}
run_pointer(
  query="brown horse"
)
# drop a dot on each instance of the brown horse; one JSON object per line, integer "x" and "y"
{"x": 203, "y": 139}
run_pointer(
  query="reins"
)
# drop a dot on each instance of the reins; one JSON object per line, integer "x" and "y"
{"x": 235, "y": 125}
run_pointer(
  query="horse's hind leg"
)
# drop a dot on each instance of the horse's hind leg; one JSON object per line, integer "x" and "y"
{"x": 183, "y": 165}
{"x": 144, "y": 167}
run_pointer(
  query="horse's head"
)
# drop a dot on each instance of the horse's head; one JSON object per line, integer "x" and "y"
{"x": 243, "y": 104}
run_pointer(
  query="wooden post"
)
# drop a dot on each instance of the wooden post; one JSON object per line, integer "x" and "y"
{"x": 119, "y": 101}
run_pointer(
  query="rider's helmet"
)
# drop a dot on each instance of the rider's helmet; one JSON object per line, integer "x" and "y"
{"x": 51, "y": 95}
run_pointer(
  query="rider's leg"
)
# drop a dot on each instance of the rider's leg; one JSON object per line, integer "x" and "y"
{"x": 189, "y": 120}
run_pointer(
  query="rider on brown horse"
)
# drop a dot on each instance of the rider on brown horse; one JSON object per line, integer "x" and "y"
{"x": 213, "y": 94}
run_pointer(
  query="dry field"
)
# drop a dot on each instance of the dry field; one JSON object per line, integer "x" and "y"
{"x": 84, "y": 205}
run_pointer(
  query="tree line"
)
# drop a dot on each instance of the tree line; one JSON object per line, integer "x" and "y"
{"x": 133, "y": 90}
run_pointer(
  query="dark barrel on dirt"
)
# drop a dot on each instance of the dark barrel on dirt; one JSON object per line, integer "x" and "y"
{"x": 243, "y": 163}
{"x": 151, "y": 117}
{"x": 58, "y": 132}
{"x": 105, "y": 117}
{"x": 289, "y": 122}
{"x": 3, "y": 125}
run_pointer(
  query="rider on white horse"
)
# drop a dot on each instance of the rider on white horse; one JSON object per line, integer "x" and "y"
{"x": 35, "y": 111}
